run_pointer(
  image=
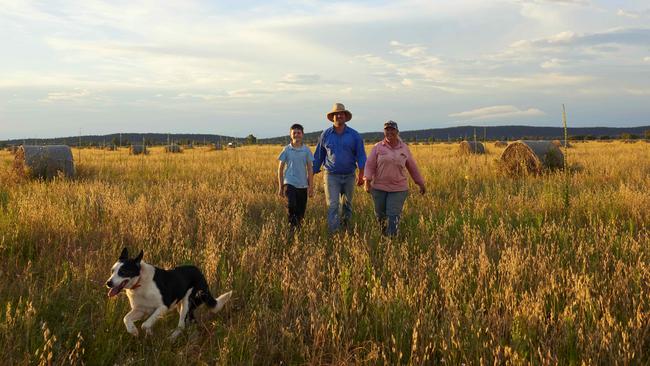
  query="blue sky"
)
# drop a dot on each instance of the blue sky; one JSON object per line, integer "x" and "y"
{"x": 259, "y": 66}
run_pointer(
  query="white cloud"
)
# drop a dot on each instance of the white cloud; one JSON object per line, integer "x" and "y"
{"x": 205, "y": 97}
{"x": 497, "y": 112}
{"x": 632, "y": 13}
{"x": 75, "y": 95}
{"x": 409, "y": 50}
{"x": 581, "y": 57}
{"x": 413, "y": 67}
{"x": 373, "y": 61}
{"x": 546, "y": 80}
{"x": 629, "y": 14}
{"x": 638, "y": 91}
{"x": 630, "y": 36}
{"x": 551, "y": 64}
{"x": 301, "y": 79}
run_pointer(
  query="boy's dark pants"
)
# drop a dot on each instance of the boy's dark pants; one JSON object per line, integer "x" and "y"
{"x": 296, "y": 203}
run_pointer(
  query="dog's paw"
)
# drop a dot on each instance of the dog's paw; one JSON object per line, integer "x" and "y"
{"x": 133, "y": 331}
{"x": 147, "y": 329}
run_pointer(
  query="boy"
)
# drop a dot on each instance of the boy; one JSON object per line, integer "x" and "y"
{"x": 295, "y": 175}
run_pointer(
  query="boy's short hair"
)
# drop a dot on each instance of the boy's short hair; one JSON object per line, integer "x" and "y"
{"x": 297, "y": 126}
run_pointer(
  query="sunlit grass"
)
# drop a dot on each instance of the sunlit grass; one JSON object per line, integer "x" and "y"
{"x": 486, "y": 268}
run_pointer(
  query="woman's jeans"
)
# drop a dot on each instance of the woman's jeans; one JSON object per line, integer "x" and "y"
{"x": 388, "y": 208}
{"x": 338, "y": 192}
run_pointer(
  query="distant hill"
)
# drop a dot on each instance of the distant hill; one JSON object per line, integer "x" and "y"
{"x": 129, "y": 138}
{"x": 433, "y": 134}
{"x": 491, "y": 133}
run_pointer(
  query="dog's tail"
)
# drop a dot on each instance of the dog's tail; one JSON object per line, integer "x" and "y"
{"x": 218, "y": 303}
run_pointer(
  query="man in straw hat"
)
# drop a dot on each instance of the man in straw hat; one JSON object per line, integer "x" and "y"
{"x": 340, "y": 150}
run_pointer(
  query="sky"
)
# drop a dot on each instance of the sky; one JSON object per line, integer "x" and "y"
{"x": 256, "y": 67}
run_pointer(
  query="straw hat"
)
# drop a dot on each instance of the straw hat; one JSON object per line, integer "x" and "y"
{"x": 338, "y": 107}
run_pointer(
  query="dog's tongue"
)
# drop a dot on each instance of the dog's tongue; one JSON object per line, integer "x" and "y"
{"x": 114, "y": 291}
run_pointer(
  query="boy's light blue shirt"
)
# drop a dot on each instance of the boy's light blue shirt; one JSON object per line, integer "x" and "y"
{"x": 296, "y": 159}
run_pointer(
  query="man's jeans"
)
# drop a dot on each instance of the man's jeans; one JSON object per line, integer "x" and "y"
{"x": 388, "y": 205}
{"x": 338, "y": 192}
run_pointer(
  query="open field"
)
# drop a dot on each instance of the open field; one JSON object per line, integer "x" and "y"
{"x": 488, "y": 268}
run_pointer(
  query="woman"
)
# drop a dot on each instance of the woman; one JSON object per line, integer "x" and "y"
{"x": 385, "y": 177}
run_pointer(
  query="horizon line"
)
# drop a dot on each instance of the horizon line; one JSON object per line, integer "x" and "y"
{"x": 280, "y": 136}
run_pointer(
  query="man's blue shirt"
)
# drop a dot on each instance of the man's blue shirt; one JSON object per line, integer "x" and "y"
{"x": 340, "y": 154}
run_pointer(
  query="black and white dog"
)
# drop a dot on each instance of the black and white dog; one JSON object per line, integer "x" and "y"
{"x": 154, "y": 291}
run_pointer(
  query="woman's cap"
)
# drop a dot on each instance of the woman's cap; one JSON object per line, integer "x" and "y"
{"x": 390, "y": 124}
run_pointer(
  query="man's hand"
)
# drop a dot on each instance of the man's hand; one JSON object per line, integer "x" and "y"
{"x": 310, "y": 191}
{"x": 423, "y": 189}
{"x": 360, "y": 177}
{"x": 360, "y": 180}
{"x": 280, "y": 191}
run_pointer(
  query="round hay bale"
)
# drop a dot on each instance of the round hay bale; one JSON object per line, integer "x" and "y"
{"x": 560, "y": 143}
{"x": 531, "y": 157}
{"x": 110, "y": 147}
{"x": 173, "y": 149}
{"x": 472, "y": 147}
{"x": 501, "y": 144}
{"x": 138, "y": 149}
{"x": 45, "y": 161}
{"x": 630, "y": 141}
{"x": 216, "y": 146}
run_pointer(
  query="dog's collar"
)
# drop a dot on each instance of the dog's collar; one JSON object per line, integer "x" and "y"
{"x": 137, "y": 284}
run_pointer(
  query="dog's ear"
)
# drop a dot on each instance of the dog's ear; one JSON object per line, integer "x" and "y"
{"x": 124, "y": 255}
{"x": 139, "y": 257}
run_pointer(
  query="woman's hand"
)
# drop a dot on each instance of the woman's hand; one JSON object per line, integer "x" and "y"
{"x": 423, "y": 189}
{"x": 367, "y": 186}
{"x": 280, "y": 193}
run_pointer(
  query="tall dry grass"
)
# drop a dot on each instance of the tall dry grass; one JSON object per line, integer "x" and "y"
{"x": 487, "y": 269}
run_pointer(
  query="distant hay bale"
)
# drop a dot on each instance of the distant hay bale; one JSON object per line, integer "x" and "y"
{"x": 138, "y": 149}
{"x": 216, "y": 146}
{"x": 560, "y": 143}
{"x": 189, "y": 146}
{"x": 501, "y": 144}
{"x": 531, "y": 157}
{"x": 173, "y": 149}
{"x": 472, "y": 147}
{"x": 630, "y": 141}
{"x": 45, "y": 161}
{"x": 110, "y": 147}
